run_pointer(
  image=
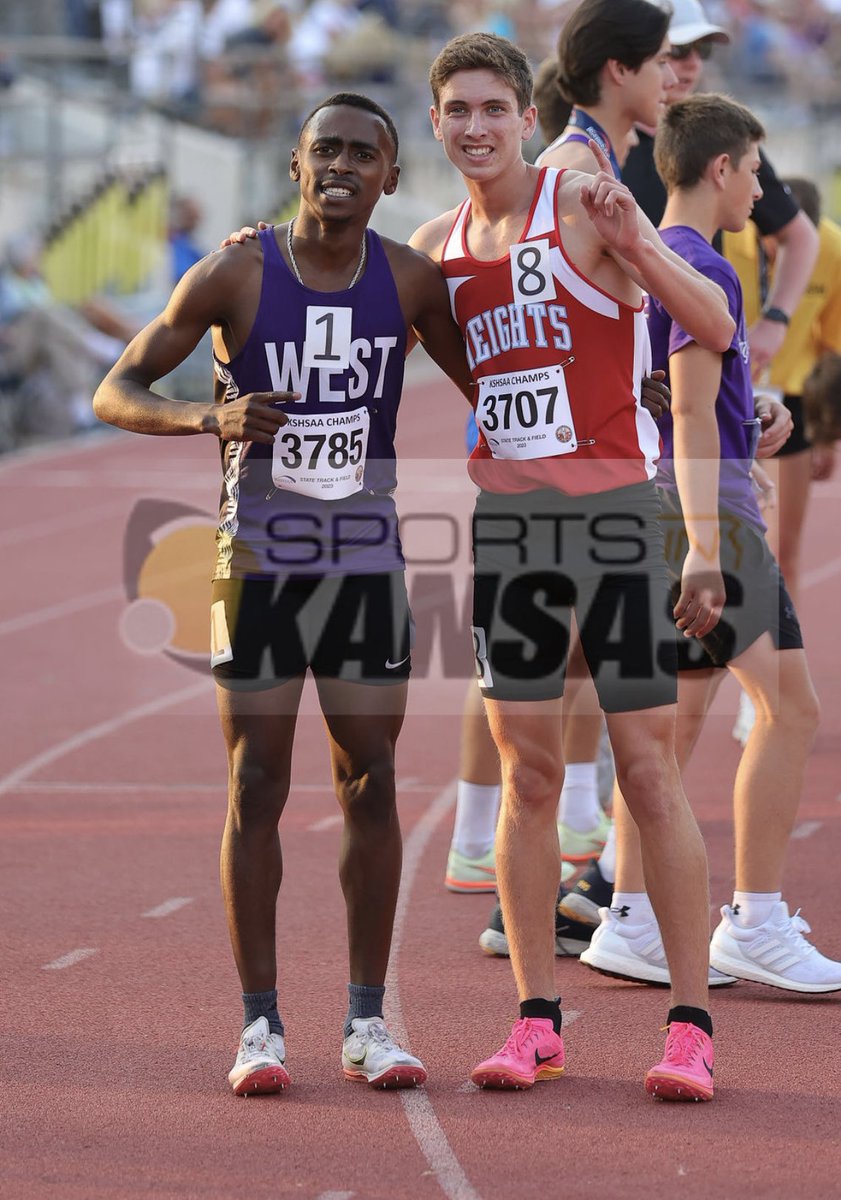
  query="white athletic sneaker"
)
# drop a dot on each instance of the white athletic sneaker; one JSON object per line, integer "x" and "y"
{"x": 634, "y": 952}
{"x": 745, "y": 718}
{"x": 776, "y": 953}
{"x": 259, "y": 1067}
{"x": 371, "y": 1055}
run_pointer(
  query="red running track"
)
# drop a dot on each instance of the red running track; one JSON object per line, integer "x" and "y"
{"x": 120, "y": 999}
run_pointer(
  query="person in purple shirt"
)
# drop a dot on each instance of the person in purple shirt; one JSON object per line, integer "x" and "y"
{"x": 707, "y": 152}
{"x": 311, "y": 323}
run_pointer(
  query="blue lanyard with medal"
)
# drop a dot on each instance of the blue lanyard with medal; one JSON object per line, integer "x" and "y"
{"x": 578, "y": 119}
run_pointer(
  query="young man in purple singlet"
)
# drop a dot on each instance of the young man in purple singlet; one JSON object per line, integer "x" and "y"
{"x": 311, "y": 323}
{"x": 707, "y": 152}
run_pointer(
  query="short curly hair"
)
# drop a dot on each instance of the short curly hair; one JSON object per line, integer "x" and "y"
{"x": 483, "y": 52}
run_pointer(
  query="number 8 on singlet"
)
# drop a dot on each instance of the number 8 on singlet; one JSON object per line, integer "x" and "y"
{"x": 532, "y": 280}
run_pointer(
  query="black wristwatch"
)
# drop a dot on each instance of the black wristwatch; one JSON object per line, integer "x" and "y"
{"x": 776, "y": 314}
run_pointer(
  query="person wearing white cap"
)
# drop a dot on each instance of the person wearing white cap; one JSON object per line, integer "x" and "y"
{"x": 692, "y": 38}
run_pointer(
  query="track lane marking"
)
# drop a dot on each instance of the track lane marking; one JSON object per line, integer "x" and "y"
{"x": 35, "y": 529}
{"x": 326, "y": 823}
{"x": 806, "y": 829}
{"x": 420, "y": 1114}
{"x": 68, "y": 960}
{"x": 65, "y": 609}
{"x": 10, "y": 781}
{"x": 169, "y": 906}
{"x": 818, "y": 575}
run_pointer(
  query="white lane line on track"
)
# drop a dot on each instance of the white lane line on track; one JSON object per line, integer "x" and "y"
{"x": 65, "y": 609}
{"x": 326, "y": 823}
{"x": 54, "y": 524}
{"x": 169, "y": 906}
{"x": 336, "y": 1195}
{"x": 420, "y": 1113}
{"x": 9, "y": 782}
{"x": 817, "y": 575}
{"x": 67, "y": 960}
{"x": 806, "y": 829}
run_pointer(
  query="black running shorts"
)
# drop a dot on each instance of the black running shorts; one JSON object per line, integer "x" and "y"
{"x": 540, "y": 554}
{"x": 757, "y": 600}
{"x": 798, "y": 440}
{"x": 267, "y": 630}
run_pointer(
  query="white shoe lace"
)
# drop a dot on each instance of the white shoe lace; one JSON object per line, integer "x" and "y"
{"x": 252, "y": 1047}
{"x": 793, "y": 933}
{"x": 378, "y": 1032}
{"x": 256, "y": 1046}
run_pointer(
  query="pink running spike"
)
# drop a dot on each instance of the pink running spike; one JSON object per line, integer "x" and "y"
{"x": 686, "y": 1072}
{"x": 533, "y": 1051}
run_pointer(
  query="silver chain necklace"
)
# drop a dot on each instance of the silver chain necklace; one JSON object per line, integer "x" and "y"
{"x": 363, "y": 258}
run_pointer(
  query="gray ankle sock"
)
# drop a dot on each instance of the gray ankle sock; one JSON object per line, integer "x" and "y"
{"x": 363, "y": 1001}
{"x": 262, "y": 1004}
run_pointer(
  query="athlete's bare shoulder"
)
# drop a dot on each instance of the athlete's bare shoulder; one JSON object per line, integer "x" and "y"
{"x": 408, "y": 260}
{"x": 431, "y": 237}
{"x": 575, "y": 156}
{"x": 227, "y": 270}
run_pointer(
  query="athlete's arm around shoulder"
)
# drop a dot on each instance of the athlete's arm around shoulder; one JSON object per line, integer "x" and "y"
{"x": 713, "y": 328}
{"x": 629, "y": 238}
{"x": 221, "y": 291}
{"x": 425, "y": 301}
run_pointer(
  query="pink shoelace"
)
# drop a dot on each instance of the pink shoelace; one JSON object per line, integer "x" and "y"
{"x": 684, "y": 1042}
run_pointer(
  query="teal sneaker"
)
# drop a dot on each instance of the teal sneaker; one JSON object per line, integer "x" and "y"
{"x": 471, "y": 874}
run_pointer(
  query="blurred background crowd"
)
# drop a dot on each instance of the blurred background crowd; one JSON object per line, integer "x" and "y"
{"x": 135, "y": 133}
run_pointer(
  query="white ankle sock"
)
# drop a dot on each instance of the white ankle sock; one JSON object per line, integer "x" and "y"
{"x": 607, "y": 858}
{"x": 636, "y": 905}
{"x": 579, "y": 806}
{"x": 477, "y": 805}
{"x": 754, "y": 908}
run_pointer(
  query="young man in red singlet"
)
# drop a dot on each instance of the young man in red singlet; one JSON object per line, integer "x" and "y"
{"x": 546, "y": 271}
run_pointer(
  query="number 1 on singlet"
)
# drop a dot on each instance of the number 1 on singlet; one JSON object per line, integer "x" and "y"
{"x": 327, "y": 339}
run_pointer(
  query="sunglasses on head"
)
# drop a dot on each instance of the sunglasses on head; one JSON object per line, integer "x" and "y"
{"x": 704, "y": 49}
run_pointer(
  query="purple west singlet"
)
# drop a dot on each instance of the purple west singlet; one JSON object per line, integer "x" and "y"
{"x": 265, "y": 529}
{"x": 734, "y": 409}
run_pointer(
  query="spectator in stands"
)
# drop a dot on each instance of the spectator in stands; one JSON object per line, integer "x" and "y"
{"x": 164, "y": 60}
{"x": 184, "y": 218}
{"x": 317, "y": 30}
{"x": 51, "y": 356}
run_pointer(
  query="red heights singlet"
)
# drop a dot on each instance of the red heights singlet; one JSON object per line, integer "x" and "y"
{"x": 558, "y": 364}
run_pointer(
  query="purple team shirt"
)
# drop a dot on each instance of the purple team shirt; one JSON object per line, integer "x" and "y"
{"x": 734, "y": 409}
{"x": 264, "y": 530}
